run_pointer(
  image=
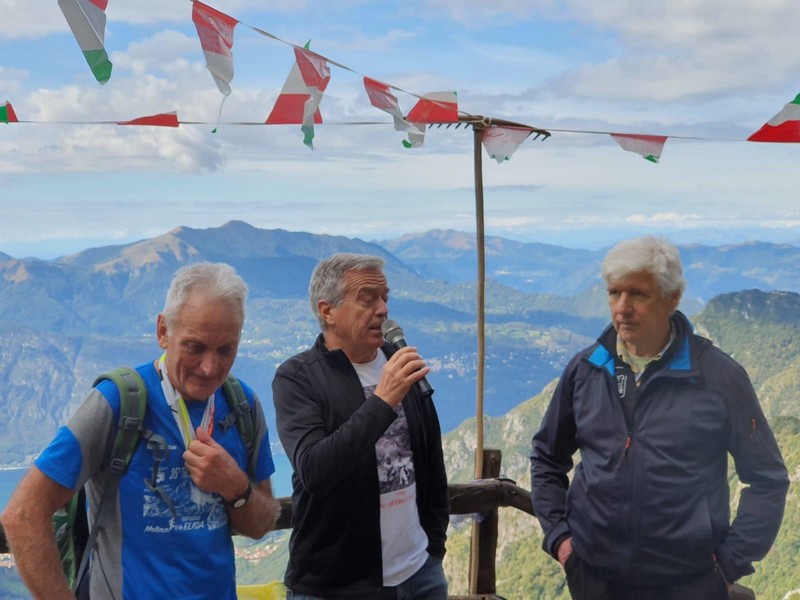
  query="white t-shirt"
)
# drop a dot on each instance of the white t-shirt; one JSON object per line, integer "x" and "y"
{"x": 404, "y": 542}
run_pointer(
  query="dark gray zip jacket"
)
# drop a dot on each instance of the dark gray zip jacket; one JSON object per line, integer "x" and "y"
{"x": 649, "y": 503}
{"x": 329, "y": 431}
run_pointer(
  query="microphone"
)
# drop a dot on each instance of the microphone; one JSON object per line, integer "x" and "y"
{"x": 396, "y": 338}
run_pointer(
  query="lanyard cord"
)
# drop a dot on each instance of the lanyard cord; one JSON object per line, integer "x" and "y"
{"x": 179, "y": 410}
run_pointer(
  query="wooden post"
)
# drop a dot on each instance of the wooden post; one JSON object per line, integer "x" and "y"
{"x": 484, "y": 535}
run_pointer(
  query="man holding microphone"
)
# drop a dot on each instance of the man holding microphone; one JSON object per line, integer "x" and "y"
{"x": 370, "y": 508}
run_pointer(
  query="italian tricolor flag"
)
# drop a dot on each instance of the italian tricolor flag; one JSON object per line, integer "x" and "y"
{"x": 502, "y": 142}
{"x": 215, "y": 30}
{"x": 7, "y": 114}
{"x": 783, "y": 127}
{"x": 169, "y": 119}
{"x": 436, "y": 107}
{"x": 87, "y": 20}
{"x": 648, "y": 147}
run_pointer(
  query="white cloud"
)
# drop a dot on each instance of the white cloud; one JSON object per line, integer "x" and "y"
{"x": 672, "y": 218}
{"x": 681, "y": 50}
{"x": 30, "y": 19}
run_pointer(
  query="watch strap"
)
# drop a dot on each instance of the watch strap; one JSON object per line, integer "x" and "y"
{"x": 240, "y": 501}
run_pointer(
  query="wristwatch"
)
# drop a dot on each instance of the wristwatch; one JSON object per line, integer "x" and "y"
{"x": 240, "y": 501}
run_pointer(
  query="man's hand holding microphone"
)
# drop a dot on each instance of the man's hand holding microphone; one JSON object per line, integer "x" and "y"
{"x": 404, "y": 369}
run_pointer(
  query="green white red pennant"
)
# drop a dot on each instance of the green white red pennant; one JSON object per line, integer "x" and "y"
{"x": 215, "y": 30}
{"x": 436, "y": 107}
{"x": 7, "y": 114}
{"x": 298, "y": 102}
{"x": 502, "y": 142}
{"x": 783, "y": 127}
{"x": 648, "y": 147}
{"x": 169, "y": 119}
{"x": 87, "y": 20}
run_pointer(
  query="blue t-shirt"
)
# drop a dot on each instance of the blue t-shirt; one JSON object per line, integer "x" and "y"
{"x": 153, "y": 548}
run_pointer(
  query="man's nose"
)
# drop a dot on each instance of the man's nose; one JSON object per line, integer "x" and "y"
{"x": 623, "y": 303}
{"x": 383, "y": 308}
{"x": 209, "y": 363}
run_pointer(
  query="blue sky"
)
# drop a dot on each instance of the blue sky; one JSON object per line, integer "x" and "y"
{"x": 710, "y": 69}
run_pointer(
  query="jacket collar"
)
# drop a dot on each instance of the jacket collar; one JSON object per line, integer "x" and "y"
{"x": 337, "y": 357}
{"x": 678, "y": 357}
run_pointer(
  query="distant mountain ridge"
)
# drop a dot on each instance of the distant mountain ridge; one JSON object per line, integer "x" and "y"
{"x": 71, "y": 318}
{"x": 64, "y": 292}
{"x": 67, "y": 319}
{"x": 542, "y": 268}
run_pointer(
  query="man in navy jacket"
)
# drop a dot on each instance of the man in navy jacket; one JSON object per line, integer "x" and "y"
{"x": 654, "y": 410}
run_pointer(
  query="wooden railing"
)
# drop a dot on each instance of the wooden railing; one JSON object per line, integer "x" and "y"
{"x": 482, "y": 497}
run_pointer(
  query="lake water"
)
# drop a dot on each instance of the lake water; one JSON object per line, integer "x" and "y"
{"x": 281, "y": 479}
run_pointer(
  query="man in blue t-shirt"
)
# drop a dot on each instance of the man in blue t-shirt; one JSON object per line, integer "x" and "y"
{"x": 169, "y": 533}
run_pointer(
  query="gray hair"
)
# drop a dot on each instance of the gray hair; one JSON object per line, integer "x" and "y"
{"x": 657, "y": 256}
{"x": 218, "y": 280}
{"x": 327, "y": 280}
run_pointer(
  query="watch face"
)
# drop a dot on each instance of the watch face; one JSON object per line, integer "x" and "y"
{"x": 242, "y": 500}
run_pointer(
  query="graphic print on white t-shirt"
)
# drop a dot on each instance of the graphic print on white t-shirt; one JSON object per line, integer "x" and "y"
{"x": 403, "y": 541}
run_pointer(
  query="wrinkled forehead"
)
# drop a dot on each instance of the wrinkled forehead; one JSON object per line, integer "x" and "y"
{"x": 356, "y": 280}
{"x": 644, "y": 282}
{"x": 633, "y": 279}
{"x": 202, "y": 307}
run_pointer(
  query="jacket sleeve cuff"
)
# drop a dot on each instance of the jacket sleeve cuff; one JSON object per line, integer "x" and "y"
{"x": 730, "y": 570}
{"x": 555, "y": 536}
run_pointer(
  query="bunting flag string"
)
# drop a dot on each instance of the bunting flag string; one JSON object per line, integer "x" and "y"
{"x": 300, "y": 98}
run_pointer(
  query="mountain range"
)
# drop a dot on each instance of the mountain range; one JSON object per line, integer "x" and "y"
{"x": 63, "y": 321}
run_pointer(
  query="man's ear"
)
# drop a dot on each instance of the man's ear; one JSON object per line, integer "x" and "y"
{"x": 161, "y": 331}
{"x": 325, "y": 309}
{"x": 676, "y": 300}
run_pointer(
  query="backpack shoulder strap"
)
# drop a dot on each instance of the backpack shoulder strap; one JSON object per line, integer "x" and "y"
{"x": 241, "y": 414}
{"x": 133, "y": 404}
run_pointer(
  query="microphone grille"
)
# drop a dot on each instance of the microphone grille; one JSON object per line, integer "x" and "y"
{"x": 390, "y": 329}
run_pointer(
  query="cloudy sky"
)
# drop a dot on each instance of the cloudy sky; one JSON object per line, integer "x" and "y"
{"x": 708, "y": 72}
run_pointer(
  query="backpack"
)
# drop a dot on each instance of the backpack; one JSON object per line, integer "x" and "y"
{"x": 73, "y": 537}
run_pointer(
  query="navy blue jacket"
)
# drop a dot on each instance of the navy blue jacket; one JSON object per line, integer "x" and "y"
{"x": 329, "y": 431}
{"x": 649, "y": 501}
